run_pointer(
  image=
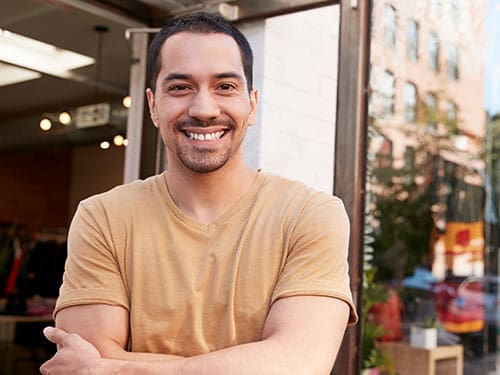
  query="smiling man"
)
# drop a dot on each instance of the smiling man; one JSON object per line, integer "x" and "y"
{"x": 211, "y": 267}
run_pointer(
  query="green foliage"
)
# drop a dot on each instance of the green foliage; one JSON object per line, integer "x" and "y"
{"x": 401, "y": 242}
{"x": 400, "y": 197}
{"x": 373, "y": 292}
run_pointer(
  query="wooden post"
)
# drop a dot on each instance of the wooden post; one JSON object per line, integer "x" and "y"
{"x": 350, "y": 154}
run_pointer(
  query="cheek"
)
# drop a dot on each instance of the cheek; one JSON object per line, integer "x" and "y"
{"x": 171, "y": 111}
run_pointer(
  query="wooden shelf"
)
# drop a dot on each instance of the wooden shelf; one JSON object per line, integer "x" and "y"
{"x": 407, "y": 360}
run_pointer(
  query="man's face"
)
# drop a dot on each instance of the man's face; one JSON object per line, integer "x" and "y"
{"x": 201, "y": 105}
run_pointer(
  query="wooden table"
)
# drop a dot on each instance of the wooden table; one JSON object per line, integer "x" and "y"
{"x": 442, "y": 360}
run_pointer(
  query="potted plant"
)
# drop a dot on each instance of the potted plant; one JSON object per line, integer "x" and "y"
{"x": 373, "y": 360}
{"x": 424, "y": 335}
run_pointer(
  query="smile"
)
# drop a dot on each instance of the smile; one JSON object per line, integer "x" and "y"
{"x": 205, "y": 137}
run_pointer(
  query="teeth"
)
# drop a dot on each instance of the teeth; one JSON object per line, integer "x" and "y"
{"x": 205, "y": 137}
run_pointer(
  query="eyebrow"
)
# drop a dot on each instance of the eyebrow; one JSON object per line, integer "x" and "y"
{"x": 230, "y": 74}
{"x": 175, "y": 76}
{"x": 182, "y": 76}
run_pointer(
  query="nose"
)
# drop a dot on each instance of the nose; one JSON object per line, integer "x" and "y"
{"x": 204, "y": 106}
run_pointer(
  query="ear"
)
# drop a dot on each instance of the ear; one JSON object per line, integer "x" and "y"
{"x": 152, "y": 107}
{"x": 254, "y": 99}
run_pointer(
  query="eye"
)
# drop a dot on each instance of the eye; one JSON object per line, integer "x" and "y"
{"x": 178, "y": 88}
{"x": 227, "y": 87}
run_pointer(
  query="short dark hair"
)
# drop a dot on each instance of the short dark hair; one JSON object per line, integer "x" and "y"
{"x": 199, "y": 23}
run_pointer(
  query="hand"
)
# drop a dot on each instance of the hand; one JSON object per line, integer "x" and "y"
{"x": 74, "y": 355}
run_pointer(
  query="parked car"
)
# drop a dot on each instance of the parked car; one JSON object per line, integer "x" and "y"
{"x": 467, "y": 305}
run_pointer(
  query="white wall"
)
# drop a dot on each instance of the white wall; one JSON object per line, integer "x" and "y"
{"x": 296, "y": 74}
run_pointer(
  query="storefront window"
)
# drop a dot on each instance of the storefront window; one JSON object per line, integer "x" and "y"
{"x": 432, "y": 219}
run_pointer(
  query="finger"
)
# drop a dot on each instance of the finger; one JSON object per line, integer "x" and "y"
{"x": 44, "y": 368}
{"x": 55, "y": 335}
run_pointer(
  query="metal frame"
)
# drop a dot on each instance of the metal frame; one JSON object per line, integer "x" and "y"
{"x": 350, "y": 154}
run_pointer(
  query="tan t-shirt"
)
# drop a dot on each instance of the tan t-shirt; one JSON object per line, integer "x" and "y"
{"x": 192, "y": 288}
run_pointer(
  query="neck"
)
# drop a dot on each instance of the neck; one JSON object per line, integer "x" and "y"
{"x": 206, "y": 196}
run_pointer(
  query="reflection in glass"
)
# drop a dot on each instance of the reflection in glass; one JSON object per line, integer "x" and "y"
{"x": 410, "y": 93}
{"x": 433, "y": 50}
{"x": 390, "y": 26}
{"x": 433, "y": 170}
{"x": 412, "y": 40}
{"x": 452, "y": 57}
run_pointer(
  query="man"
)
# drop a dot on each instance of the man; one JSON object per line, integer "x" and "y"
{"x": 211, "y": 267}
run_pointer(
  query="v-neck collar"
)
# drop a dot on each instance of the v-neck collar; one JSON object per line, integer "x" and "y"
{"x": 237, "y": 208}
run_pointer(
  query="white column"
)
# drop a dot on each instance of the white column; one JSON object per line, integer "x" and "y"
{"x": 139, "y": 46}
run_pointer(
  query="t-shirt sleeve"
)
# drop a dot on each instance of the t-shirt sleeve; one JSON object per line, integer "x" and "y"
{"x": 92, "y": 273}
{"x": 317, "y": 259}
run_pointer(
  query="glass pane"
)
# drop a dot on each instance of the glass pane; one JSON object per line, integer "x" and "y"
{"x": 433, "y": 185}
{"x": 390, "y": 26}
{"x": 412, "y": 40}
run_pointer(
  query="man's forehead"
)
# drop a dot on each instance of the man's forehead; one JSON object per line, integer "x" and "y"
{"x": 186, "y": 39}
{"x": 185, "y": 50}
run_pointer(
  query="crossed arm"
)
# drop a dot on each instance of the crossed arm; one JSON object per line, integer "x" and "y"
{"x": 302, "y": 335}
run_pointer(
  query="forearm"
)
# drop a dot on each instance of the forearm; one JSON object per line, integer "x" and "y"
{"x": 265, "y": 356}
{"x": 120, "y": 354}
{"x": 301, "y": 336}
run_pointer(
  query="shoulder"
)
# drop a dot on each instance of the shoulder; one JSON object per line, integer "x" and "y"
{"x": 297, "y": 194}
{"x": 126, "y": 196}
{"x": 300, "y": 208}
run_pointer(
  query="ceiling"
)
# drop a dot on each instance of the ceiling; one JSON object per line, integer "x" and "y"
{"x": 70, "y": 24}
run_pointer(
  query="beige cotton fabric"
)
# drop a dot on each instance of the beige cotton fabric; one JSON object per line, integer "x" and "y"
{"x": 192, "y": 288}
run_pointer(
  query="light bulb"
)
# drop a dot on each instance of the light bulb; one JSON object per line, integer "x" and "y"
{"x": 125, "y": 142}
{"x": 127, "y": 101}
{"x": 64, "y": 118}
{"x": 45, "y": 124}
{"x": 118, "y": 140}
{"x": 104, "y": 145}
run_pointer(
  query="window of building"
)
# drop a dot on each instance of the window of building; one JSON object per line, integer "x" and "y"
{"x": 431, "y": 111}
{"x": 410, "y": 97}
{"x": 384, "y": 151}
{"x": 390, "y": 26}
{"x": 387, "y": 91}
{"x": 452, "y": 57}
{"x": 452, "y": 117}
{"x": 433, "y": 50}
{"x": 412, "y": 40}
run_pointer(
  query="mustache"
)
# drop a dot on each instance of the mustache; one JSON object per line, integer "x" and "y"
{"x": 196, "y": 123}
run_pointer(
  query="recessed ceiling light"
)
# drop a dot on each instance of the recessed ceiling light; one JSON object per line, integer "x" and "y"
{"x": 104, "y": 145}
{"x": 127, "y": 101}
{"x": 45, "y": 124}
{"x": 118, "y": 140}
{"x": 64, "y": 118}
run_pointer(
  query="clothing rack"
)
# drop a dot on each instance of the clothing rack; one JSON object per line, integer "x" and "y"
{"x": 58, "y": 235}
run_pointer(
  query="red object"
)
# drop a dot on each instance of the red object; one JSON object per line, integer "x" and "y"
{"x": 10, "y": 287}
{"x": 460, "y": 305}
{"x": 462, "y": 237}
{"x": 388, "y": 315}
